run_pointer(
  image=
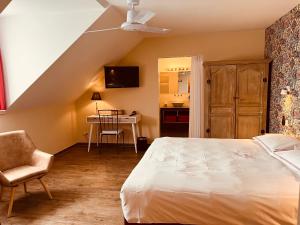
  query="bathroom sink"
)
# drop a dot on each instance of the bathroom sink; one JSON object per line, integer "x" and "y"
{"x": 177, "y": 104}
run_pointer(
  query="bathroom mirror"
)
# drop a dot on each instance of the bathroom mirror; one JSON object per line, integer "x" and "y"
{"x": 175, "y": 82}
{"x": 183, "y": 82}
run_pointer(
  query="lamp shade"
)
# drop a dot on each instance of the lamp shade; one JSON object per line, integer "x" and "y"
{"x": 96, "y": 96}
{"x": 284, "y": 92}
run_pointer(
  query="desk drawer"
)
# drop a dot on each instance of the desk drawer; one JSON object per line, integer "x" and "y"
{"x": 92, "y": 120}
{"x": 121, "y": 120}
{"x": 127, "y": 120}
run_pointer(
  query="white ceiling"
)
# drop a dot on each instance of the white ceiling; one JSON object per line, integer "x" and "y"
{"x": 193, "y": 16}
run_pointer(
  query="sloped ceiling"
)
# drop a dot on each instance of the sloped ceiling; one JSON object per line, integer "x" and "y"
{"x": 71, "y": 74}
{"x": 35, "y": 33}
{"x": 195, "y": 16}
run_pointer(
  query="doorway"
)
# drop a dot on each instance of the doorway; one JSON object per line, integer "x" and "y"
{"x": 174, "y": 96}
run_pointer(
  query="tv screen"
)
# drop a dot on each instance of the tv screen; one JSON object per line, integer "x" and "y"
{"x": 121, "y": 76}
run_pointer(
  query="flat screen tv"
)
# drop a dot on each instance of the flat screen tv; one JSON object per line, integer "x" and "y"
{"x": 121, "y": 76}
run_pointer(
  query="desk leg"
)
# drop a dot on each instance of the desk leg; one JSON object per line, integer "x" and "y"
{"x": 134, "y": 136}
{"x": 97, "y": 135}
{"x": 137, "y": 126}
{"x": 90, "y": 137}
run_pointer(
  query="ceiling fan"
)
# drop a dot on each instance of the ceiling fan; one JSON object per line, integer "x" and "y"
{"x": 136, "y": 21}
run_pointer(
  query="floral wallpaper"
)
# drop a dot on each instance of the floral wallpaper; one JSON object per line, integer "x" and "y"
{"x": 283, "y": 47}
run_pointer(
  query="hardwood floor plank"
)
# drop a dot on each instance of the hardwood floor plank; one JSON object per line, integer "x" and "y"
{"x": 85, "y": 188}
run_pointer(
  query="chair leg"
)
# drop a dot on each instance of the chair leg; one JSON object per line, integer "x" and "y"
{"x": 101, "y": 140}
{"x": 11, "y": 201}
{"x": 25, "y": 187}
{"x": 45, "y": 188}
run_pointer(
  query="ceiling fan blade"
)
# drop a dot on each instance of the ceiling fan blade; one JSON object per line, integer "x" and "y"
{"x": 103, "y": 30}
{"x": 143, "y": 16}
{"x": 157, "y": 30}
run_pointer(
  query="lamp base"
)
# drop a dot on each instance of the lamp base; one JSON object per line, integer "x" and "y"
{"x": 96, "y": 108}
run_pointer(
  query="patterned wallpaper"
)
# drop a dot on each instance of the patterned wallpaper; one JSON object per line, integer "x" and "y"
{"x": 283, "y": 47}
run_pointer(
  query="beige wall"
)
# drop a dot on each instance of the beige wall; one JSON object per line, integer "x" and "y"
{"x": 112, "y": 98}
{"x": 51, "y": 127}
{"x": 213, "y": 46}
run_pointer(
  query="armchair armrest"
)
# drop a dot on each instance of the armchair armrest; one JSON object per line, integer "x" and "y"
{"x": 42, "y": 160}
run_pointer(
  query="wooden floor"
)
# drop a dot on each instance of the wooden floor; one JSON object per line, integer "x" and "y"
{"x": 85, "y": 187}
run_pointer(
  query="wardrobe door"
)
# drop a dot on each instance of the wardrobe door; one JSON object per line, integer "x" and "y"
{"x": 251, "y": 100}
{"x": 221, "y": 92}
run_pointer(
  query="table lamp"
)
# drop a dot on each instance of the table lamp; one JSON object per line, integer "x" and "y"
{"x": 96, "y": 97}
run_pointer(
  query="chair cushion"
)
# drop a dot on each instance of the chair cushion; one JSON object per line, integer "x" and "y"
{"x": 111, "y": 132}
{"x": 21, "y": 173}
{"x": 16, "y": 149}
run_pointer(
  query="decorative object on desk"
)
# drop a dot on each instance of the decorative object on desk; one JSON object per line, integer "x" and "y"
{"x": 133, "y": 113}
{"x": 96, "y": 97}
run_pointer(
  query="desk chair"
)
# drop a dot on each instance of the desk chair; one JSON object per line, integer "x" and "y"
{"x": 109, "y": 124}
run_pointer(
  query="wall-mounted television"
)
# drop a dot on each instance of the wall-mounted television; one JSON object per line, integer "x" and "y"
{"x": 121, "y": 76}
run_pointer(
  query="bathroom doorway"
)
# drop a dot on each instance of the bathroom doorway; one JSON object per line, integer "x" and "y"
{"x": 174, "y": 96}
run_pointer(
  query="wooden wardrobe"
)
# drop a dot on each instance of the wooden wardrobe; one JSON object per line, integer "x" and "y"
{"x": 236, "y": 96}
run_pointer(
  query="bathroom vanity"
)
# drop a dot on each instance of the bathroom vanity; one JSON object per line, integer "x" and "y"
{"x": 174, "y": 122}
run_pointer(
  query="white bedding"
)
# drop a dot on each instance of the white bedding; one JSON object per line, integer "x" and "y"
{"x": 209, "y": 181}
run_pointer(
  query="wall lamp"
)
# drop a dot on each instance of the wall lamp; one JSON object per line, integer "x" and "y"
{"x": 286, "y": 90}
{"x": 287, "y": 105}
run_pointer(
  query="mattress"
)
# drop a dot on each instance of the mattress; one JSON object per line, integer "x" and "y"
{"x": 209, "y": 182}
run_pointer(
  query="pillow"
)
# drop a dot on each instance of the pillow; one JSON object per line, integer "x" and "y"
{"x": 277, "y": 142}
{"x": 291, "y": 159}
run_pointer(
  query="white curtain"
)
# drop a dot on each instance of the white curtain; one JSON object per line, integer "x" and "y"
{"x": 196, "y": 126}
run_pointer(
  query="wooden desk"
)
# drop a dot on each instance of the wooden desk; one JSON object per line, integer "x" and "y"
{"x": 123, "y": 119}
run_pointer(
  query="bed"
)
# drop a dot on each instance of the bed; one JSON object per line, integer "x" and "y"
{"x": 209, "y": 182}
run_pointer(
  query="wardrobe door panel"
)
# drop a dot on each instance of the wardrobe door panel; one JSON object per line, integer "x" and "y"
{"x": 248, "y": 126}
{"x": 223, "y": 85}
{"x": 250, "y": 84}
{"x": 250, "y": 100}
{"x": 222, "y": 126}
{"x": 222, "y": 103}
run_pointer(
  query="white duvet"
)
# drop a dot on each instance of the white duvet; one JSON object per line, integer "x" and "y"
{"x": 209, "y": 181}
